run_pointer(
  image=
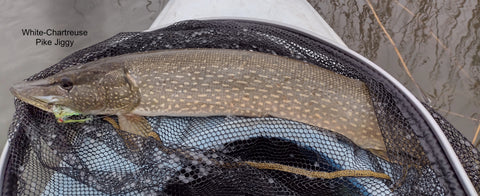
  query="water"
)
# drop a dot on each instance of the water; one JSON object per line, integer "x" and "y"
{"x": 438, "y": 40}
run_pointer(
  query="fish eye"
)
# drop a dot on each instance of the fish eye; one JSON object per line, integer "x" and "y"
{"x": 66, "y": 83}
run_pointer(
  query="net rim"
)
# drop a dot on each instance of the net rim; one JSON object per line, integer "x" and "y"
{"x": 447, "y": 147}
{"x": 3, "y": 162}
{"x": 444, "y": 143}
{"x": 419, "y": 107}
{"x": 353, "y": 56}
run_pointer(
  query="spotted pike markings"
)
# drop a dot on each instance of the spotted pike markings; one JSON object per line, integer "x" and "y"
{"x": 210, "y": 82}
{"x": 207, "y": 82}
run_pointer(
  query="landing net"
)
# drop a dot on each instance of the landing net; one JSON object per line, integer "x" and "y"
{"x": 233, "y": 155}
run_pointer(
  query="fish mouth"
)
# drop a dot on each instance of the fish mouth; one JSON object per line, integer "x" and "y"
{"x": 37, "y": 93}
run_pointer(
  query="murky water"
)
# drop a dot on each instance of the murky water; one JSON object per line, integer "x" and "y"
{"x": 439, "y": 42}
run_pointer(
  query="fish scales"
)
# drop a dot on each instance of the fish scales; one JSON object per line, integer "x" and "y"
{"x": 221, "y": 82}
{"x": 211, "y": 82}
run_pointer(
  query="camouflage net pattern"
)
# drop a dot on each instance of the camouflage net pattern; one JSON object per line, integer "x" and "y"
{"x": 232, "y": 155}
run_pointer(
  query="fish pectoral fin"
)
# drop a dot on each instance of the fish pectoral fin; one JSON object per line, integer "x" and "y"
{"x": 137, "y": 125}
{"x": 112, "y": 122}
{"x": 130, "y": 142}
{"x": 134, "y": 124}
{"x": 380, "y": 153}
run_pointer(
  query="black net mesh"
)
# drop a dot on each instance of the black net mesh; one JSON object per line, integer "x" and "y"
{"x": 466, "y": 152}
{"x": 223, "y": 155}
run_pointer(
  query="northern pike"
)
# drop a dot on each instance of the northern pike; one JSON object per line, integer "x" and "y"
{"x": 210, "y": 82}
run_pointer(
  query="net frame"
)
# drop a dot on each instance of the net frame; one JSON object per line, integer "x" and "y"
{"x": 438, "y": 155}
